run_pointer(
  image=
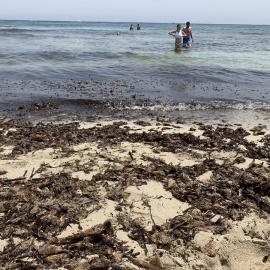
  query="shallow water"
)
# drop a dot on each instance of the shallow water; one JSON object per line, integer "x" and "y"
{"x": 228, "y": 66}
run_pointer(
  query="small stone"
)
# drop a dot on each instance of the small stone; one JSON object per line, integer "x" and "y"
{"x": 216, "y": 218}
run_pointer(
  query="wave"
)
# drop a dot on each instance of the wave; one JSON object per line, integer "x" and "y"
{"x": 58, "y": 56}
{"x": 38, "y": 57}
{"x": 198, "y": 106}
{"x": 130, "y": 54}
{"x": 18, "y": 30}
{"x": 253, "y": 34}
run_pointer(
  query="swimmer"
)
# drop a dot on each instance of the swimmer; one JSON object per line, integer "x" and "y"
{"x": 188, "y": 31}
{"x": 178, "y": 34}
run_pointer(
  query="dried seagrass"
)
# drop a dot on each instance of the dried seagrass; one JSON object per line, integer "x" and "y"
{"x": 39, "y": 209}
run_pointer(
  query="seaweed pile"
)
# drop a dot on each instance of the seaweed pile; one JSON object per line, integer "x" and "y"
{"x": 41, "y": 208}
{"x": 37, "y": 209}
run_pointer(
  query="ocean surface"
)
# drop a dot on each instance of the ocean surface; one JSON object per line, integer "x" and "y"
{"x": 227, "y": 67}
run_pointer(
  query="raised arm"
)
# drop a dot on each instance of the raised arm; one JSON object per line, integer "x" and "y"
{"x": 172, "y": 33}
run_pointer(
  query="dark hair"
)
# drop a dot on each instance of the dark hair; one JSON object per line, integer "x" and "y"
{"x": 188, "y": 23}
{"x": 178, "y": 24}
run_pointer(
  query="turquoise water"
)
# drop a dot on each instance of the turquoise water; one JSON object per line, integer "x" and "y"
{"x": 227, "y": 65}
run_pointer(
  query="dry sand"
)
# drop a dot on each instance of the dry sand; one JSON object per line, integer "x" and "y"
{"x": 245, "y": 245}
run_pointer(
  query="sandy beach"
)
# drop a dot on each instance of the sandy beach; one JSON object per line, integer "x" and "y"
{"x": 134, "y": 194}
{"x": 119, "y": 153}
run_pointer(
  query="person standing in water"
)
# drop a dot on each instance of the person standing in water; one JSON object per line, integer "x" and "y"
{"x": 188, "y": 31}
{"x": 131, "y": 27}
{"x": 138, "y": 27}
{"x": 178, "y": 34}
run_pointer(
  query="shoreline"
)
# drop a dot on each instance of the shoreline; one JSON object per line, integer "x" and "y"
{"x": 90, "y": 100}
{"x": 154, "y": 194}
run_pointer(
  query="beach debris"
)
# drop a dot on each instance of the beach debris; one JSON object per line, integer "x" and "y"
{"x": 43, "y": 106}
{"x": 38, "y": 209}
{"x": 39, "y": 106}
{"x": 257, "y": 130}
{"x": 3, "y": 172}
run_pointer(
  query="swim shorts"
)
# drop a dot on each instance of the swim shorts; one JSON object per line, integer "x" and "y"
{"x": 186, "y": 40}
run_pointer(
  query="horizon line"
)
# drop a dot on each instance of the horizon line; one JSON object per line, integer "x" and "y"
{"x": 194, "y": 23}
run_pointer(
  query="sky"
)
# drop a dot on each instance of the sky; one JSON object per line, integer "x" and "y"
{"x": 164, "y": 11}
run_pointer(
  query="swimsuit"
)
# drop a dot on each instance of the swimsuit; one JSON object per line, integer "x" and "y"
{"x": 178, "y": 35}
{"x": 186, "y": 40}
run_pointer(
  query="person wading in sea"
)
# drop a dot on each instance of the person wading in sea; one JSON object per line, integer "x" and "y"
{"x": 178, "y": 34}
{"x": 188, "y": 31}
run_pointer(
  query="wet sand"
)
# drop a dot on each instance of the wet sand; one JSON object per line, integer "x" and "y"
{"x": 136, "y": 194}
{"x": 88, "y": 100}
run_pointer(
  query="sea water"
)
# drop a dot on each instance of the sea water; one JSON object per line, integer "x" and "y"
{"x": 227, "y": 66}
